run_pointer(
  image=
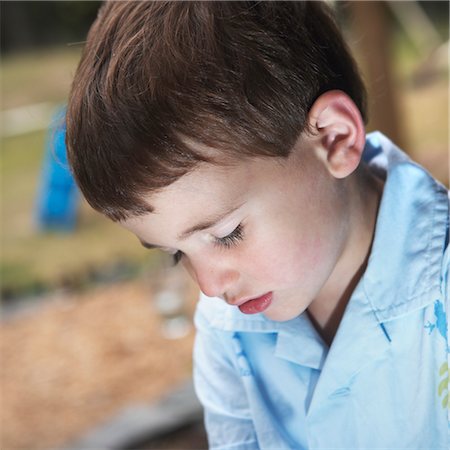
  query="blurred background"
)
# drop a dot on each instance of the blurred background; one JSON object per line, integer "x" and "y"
{"x": 96, "y": 332}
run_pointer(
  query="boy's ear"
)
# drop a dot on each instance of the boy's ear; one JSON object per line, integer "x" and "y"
{"x": 336, "y": 121}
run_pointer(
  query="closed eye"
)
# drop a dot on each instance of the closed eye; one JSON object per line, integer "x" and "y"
{"x": 236, "y": 236}
{"x": 228, "y": 241}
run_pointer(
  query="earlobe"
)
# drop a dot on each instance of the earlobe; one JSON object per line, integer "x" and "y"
{"x": 336, "y": 120}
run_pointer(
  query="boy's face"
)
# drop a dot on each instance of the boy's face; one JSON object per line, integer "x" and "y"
{"x": 282, "y": 228}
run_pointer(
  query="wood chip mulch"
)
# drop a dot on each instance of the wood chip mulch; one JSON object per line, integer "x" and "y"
{"x": 79, "y": 360}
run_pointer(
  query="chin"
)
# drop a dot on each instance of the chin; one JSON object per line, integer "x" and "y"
{"x": 278, "y": 314}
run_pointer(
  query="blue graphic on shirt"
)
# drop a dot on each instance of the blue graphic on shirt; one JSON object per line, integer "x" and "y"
{"x": 441, "y": 320}
{"x": 444, "y": 372}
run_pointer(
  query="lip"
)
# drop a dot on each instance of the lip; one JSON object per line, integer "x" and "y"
{"x": 240, "y": 301}
{"x": 255, "y": 305}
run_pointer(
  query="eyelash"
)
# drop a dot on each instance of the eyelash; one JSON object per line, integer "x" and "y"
{"x": 231, "y": 239}
{"x": 227, "y": 242}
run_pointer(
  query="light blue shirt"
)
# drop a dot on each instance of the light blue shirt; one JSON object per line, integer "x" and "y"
{"x": 384, "y": 382}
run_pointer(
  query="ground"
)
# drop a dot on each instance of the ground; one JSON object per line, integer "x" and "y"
{"x": 79, "y": 359}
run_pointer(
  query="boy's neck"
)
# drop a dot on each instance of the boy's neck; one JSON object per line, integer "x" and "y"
{"x": 327, "y": 310}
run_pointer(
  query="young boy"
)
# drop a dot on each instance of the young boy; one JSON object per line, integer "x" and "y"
{"x": 231, "y": 135}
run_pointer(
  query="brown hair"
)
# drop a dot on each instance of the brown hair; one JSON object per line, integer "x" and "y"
{"x": 158, "y": 77}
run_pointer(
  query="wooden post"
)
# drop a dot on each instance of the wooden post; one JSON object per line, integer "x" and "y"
{"x": 372, "y": 32}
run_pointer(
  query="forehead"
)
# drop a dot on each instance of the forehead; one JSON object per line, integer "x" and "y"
{"x": 206, "y": 192}
{"x": 215, "y": 183}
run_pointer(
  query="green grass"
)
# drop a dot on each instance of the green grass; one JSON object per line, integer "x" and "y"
{"x": 41, "y": 76}
{"x": 30, "y": 257}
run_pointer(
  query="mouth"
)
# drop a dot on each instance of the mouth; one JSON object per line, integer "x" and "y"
{"x": 256, "y": 305}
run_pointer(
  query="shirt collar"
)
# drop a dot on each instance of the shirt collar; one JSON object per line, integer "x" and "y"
{"x": 297, "y": 339}
{"x": 403, "y": 272}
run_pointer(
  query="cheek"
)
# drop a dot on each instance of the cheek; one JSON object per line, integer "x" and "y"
{"x": 306, "y": 260}
{"x": 288, "y": 262}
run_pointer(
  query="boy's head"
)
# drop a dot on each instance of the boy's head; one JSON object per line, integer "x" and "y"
{"x": 159, "y": 82}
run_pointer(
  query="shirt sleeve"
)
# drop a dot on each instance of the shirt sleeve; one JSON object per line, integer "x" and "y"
{"x": 219, "y": 387}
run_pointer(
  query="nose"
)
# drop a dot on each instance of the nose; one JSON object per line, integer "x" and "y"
{"x": 215, "y": 279}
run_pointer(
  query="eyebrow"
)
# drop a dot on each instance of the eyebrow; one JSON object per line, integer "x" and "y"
{"x": 199, "y": 227}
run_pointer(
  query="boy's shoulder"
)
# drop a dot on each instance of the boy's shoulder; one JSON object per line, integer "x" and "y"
{"x": 410, "y": 247}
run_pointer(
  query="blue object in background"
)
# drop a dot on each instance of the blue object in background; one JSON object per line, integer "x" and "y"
{"x": 58, "y": 198}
